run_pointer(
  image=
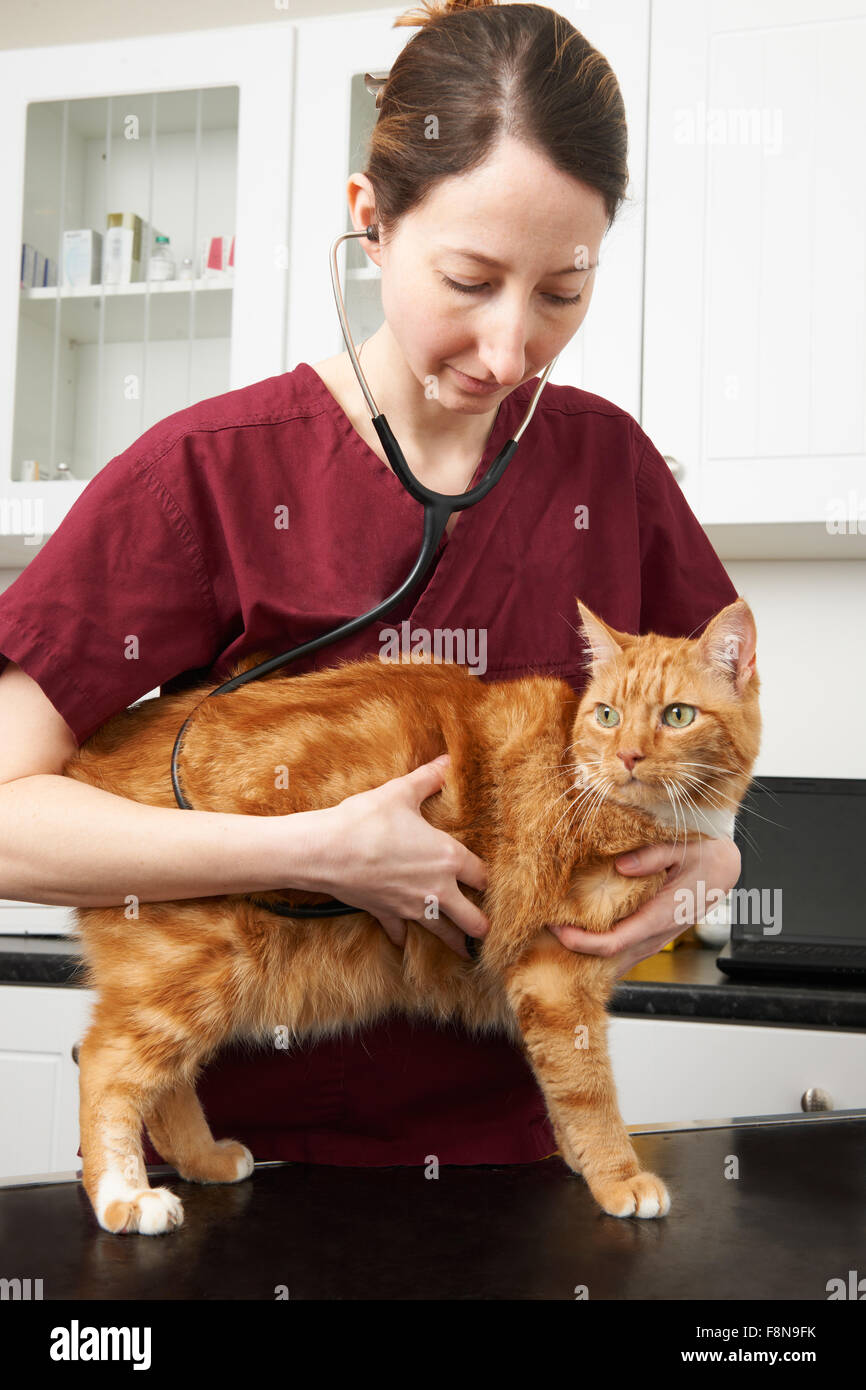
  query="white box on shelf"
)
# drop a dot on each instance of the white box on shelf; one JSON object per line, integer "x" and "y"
{"x": 82, "y": 251}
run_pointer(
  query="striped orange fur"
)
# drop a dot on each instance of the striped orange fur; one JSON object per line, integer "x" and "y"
{"x": 537, "y": 787}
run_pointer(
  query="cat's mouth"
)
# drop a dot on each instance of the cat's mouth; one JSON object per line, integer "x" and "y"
{"x": 635, "y": 791}
{"x": 631, "y": 789}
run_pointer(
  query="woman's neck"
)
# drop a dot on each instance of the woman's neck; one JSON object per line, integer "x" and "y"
{"x": 431, "y": 437}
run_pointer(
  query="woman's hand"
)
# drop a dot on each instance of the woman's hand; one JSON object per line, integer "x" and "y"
{"x": 715, "y": 863}
{"x": 383, "y": 856}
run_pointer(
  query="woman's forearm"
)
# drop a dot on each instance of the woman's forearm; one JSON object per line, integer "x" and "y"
{"x": 67, "y": 843}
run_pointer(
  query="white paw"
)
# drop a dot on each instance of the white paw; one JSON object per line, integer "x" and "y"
{"x": 644, "y": 1195}
{"x": 150, "y": 1211}
{"x": 158, "y": 1211}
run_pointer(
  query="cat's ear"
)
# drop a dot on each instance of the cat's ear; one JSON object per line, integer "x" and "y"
{"x": 729, "y": 642}
{"x": 604, "y": 642}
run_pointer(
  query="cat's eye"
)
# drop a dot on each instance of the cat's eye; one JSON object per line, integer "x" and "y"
{"x": 606, "y": 715}
{"x": 678, "y": 716}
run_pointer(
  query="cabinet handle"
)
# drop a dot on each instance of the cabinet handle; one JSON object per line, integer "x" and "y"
{"x": 678, "y": 469}
{"x": 816, "y": 1098}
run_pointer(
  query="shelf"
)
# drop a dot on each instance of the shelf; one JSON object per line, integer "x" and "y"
{"x": 125, "y": 305}
{"x": 783, "y": 540}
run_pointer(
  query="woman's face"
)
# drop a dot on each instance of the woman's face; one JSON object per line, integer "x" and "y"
{"x": 545, "y": 230}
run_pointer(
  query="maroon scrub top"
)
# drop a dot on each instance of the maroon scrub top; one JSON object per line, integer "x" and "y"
{"x": 260, "y": 519}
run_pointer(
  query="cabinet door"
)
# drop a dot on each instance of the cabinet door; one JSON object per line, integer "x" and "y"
{"x": 755, "y": 351}
{"x": 334, "y": 116}
{"x": 193, "y": 137}
{"x": 38, "y": 1077}
{"x": 668, "y": 1070}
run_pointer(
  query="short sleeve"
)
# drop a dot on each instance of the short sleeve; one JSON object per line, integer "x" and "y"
{"x": 683, "y": 581}
{"x": 116, "y": 602}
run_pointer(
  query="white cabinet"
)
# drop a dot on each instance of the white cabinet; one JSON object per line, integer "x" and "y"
{"x": 670, "y": 1070}
{"x": 38, "y": 1078}
{"x": 194, "y": 136}
{"x": 35, "y": 919}
{"x": 755, "y": 290}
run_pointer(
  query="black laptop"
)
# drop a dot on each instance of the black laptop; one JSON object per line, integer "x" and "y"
{"x": 799, "y": 906}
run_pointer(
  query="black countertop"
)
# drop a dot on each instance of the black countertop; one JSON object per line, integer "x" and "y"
{"x": 684, "y": 983}
{"x": 788, "y": 1221}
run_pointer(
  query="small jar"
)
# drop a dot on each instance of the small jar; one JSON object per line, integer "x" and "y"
{"x": 162, "y": 265}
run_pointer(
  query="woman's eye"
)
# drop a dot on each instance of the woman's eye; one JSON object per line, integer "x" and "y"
{"x": 473, "y": 289}
{"x": 606, "y": 715}
{"x": 678, "y": 716}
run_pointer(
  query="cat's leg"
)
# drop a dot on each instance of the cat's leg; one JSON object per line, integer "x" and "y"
{"x": 558, "y": 1000}
{"x": 179, "y": 1131}
{"x": 111, "y": 1080}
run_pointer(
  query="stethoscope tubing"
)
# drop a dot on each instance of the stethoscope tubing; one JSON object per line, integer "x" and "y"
{"x": 437, "y": 509}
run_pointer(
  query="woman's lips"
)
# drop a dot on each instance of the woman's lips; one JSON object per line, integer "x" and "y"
{"x": 471, "y": 383}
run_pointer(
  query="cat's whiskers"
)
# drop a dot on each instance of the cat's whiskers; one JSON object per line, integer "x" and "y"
{"x": 576, "y": 808}
{"x": 714, "y": 795}
{"x": 737, "y": 769}
{"x": 709, "y": 793}
{"x": 689, "y": 783}
{"x": 602, "y": 790}
{"x": 581, "y": 797}
{"x": 570, "y": 790}
{"x": 547, "y": 808}
{"x": 670, "y": 793}
{"x": 690, "y": 801}
{"x": 582, "y": 802}
{"x": 674, "y": 798}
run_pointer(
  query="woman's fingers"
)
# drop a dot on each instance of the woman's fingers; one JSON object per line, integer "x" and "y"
{"x": 649, "y": 859}
{"x": 472, "y": 871}
{"x": 429, "y": 778}
{"x": 394, "y": 928}
{"x": 448, "y": 934}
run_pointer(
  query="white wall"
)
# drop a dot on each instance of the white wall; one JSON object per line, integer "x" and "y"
{"x": 56, "y": 21}
{"x": 811, "y": 619}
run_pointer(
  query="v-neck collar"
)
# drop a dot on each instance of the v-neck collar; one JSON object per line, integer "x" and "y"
{"x": 509, "y": 414}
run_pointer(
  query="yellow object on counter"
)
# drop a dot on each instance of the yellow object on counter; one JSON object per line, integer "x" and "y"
{"x": 688, "y": 935}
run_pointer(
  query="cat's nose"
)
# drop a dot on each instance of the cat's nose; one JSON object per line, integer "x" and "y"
{"x": 630, "y": 758}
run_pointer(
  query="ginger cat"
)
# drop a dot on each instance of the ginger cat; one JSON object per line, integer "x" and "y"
{"x": 545, "y": 786}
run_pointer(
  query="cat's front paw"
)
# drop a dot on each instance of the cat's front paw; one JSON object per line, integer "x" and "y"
{"x": 153, "y": 1211}
{"x": 641, "y": 1195}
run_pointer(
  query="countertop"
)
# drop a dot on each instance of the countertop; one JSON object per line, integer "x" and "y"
{"x": 684, "y": 983}
{"x": 785, "y": 1223}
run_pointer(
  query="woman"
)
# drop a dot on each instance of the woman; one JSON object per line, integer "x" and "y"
{"x": 260, "y": 518}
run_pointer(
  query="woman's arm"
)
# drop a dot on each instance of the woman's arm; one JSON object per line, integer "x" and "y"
{"x": 714, "y": 864}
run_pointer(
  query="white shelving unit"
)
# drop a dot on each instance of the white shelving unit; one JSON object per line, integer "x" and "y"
{"x": 195, "y": 137}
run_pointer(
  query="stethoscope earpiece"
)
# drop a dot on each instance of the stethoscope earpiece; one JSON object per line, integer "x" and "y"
{"x": 373, "y": 233}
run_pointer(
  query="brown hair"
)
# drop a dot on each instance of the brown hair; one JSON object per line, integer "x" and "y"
{"x": 486, "y": 71}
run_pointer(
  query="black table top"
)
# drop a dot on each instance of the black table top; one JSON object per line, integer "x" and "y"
{"x": 793, "y": 1219}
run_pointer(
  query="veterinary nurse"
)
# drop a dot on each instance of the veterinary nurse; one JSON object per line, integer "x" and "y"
{"x": 489, "y": 238}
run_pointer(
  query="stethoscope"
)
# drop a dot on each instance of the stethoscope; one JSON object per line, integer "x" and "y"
{"x": 438, "y": 507}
